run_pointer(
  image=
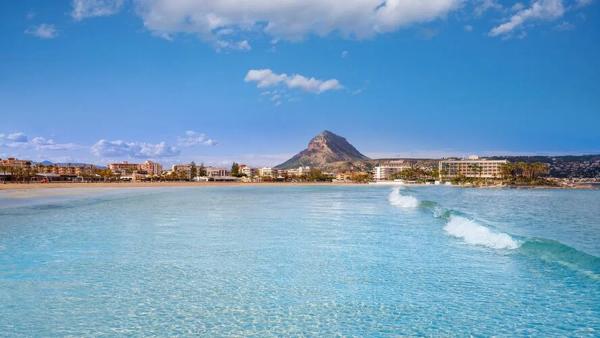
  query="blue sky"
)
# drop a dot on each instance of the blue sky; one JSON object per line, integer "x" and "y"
{"x": 252, "y": 81}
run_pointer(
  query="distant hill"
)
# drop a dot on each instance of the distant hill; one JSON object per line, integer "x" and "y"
{"x": 578, "y": 166}
{"x": 326, "y": 151}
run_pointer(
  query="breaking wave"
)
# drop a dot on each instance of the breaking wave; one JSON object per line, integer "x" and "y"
{"x": 474, "y": 233}
{"x": 402, "y": 201}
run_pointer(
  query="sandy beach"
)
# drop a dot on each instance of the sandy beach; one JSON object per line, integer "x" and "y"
{"x": 127, "y": 185}
{"x": 130, "y": 185}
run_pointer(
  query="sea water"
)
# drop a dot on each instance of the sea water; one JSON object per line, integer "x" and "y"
{"x": 312, "y": 261}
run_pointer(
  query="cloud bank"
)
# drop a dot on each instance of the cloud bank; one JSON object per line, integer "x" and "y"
{"x": 21, "y": 141}
{"x": 118, "y": 148}
{"x": 232, "y": 24}
{"x": 290, "y": 19}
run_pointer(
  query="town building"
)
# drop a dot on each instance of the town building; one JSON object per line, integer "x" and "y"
{"x": 67, "y": 169}
{"x": 343, "y": 177}
{"x": 152, "y": 168}
{"x": 12, "y": 162}
{"x": 124, "y": 167}
{"x": 300, "y": 171}
{"x": 472, "y": 167}
{"x": 265, "y": 172}
{"x": 246, "y": 170}
{"x": 216, "y": 172}
{"x": 183, "y": 171}
{"x": 384, "y": 171}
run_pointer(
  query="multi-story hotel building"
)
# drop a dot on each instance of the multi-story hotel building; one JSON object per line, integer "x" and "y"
{"x": 472, "y": 167}
{"x": 384, "y": 172}
{"x": 216, "y": 172}
{"x": 265, "y": 172}
{"x": 67, "y": 169}
{"x": 12, "y": 162}
{"x": 124, "y": 167}
{"x": 249, "y": 172}
{"x": 152, "y": 168}
{"x": 299, "y": 171}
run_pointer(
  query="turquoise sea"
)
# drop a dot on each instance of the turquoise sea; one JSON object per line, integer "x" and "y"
{"x": 302, "y": 261}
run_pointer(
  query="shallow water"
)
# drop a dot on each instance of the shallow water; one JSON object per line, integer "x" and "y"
{"x": 272, "y": 261}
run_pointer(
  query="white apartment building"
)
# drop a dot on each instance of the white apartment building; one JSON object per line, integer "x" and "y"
{"x": 152, "y": 168}
{"x": 216, "y": 172}
{"x": 384, "y": 172}
{"x": 472, "y": 167}
{"x": 249, "y": 172}
{"x": 299, "y": 171}
{"x": 265, "y": 172}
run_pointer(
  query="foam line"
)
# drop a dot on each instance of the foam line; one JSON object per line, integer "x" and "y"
{"x": 474, "y": 233}
{"x": 401, "y": 201}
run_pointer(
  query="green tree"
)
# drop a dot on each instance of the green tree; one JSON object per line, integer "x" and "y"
{"x": 524, "y": 173}
{"x": 193, "y": 170}
{"x": 235, "y": 169}
{"x": 316, "y": 175}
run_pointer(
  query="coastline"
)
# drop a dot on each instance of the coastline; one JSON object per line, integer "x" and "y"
{"x": 129, "y": 185}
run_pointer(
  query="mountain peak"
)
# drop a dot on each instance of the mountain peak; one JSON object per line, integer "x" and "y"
{"x": 324, "y": 149}
{"x": 326, "y": 133}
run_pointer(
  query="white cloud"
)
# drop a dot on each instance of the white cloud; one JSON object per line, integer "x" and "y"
{"x": 21, "y": 141}
{"x": 539, "y": 10}
{"x": 192, "y": 138}
{"x": 243, "y": 45}
{"x": 232, "y": 24}
{"x": 345, "y": 54}
{"x": 43, "y": 31}
{"x": 16, "y": 137}
{"x": 482, "y": 6}
{"x": 267, "y": 78}
{"x": 118, "y": 148}
{"x": 42, "y": 143}
{"x": 91, "y": 8}
{"x": 290, "y": 19}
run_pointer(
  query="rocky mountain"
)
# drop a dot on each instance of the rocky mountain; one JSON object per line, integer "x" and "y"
{"x": 326, "y": 151}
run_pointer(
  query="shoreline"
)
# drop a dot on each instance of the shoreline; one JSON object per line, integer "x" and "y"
{"x": 128, "y": 185}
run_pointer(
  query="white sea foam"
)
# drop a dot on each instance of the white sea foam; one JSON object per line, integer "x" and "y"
{"x": 477, "y": 234}
{"x": 401, "y": 201}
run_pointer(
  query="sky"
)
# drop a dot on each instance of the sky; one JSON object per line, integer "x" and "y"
{"x": 216, "y": 81}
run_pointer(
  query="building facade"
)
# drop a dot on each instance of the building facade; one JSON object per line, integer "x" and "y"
{"x": 265, "y": 172}
{"x": 124, "y": 167}
{"x": 216, "y": 172}
{"x": 249, "y": 172}
{"x": 12, "y": 162}
{"x": 152, "y": 168}
{"x": 67, "y": 169}
{"x": 384, "y": 172}
{"x": 300, "y": 171}
{"x": 472, "y": 168}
